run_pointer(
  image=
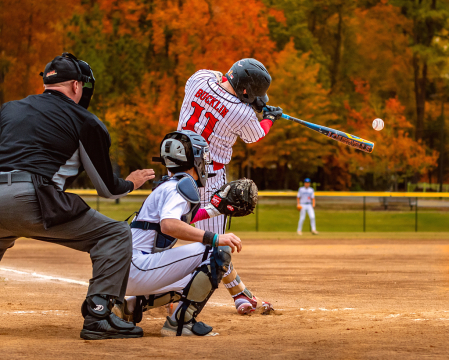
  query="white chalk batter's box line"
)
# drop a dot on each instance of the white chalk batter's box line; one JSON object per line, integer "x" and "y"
{"x": 45, "y": 277}
{"x": 71, "y": 281}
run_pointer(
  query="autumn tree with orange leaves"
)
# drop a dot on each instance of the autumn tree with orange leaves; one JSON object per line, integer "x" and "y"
{"x": 336, "y": 63}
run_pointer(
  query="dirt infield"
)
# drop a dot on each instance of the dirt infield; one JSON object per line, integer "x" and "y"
{"x": 339, "y": 299}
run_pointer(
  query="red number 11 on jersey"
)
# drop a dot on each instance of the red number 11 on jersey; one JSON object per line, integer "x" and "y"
{"x": 212, "y": 121}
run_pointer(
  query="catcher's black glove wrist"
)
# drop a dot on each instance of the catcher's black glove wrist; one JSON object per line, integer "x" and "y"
{"x": 272, "y": 113}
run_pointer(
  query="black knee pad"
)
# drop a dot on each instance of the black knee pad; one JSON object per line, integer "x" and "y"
{"x": 220, "y": 261}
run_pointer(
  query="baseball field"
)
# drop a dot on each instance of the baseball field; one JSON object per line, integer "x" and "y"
{"x": 337, "y": 295}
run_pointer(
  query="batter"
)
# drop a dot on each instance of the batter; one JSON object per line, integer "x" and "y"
{"x": 221, "y": 109}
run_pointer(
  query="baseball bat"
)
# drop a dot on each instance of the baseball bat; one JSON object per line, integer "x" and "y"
{"x": 337, "y": 135}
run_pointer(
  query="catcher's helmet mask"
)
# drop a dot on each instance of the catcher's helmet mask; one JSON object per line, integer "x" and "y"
{"x": 67, "y": 67}
{"x": 186, "y": 148}
{"x": 252, "y": 76}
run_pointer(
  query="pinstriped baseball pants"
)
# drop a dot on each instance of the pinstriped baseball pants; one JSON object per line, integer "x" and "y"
{"x": 215, "y": 224}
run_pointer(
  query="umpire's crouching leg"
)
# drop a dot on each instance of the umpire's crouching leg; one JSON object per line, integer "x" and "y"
{"x": 111, "y": 258}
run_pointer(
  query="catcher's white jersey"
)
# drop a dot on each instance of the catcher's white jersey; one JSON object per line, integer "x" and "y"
{"x": 163, "y": 203}
{"x": 217, "y": 115}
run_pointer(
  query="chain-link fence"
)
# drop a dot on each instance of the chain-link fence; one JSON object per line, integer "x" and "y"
{"x": 334, "y": 211}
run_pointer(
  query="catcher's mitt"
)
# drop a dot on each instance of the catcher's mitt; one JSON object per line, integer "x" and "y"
{"x": 236, "y": 198}
{"x": 299, "y": 207}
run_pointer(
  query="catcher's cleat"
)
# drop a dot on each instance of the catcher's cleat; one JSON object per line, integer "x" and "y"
{"x": 299, "y": 232}
{"x": 246, "y": 306}
{"x": 191, "y": 329}
{"x": 314, "y": 232}
{"x": 121, "y": 310}
{"x": 111, "y": 327}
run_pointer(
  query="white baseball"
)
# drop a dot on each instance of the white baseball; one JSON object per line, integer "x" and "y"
{"x": 378, "y": 124}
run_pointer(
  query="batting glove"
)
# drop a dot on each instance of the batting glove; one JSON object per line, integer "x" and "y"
{"x": 272, "y": 113}
{"x": 258, "y": 104}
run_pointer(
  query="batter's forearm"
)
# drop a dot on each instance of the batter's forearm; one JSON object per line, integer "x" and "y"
{"x": 180, "y": 230}
{"x": 266, "y": 126}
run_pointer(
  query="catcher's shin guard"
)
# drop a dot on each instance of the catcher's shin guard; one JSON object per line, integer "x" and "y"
{"x": 200, "y": 289}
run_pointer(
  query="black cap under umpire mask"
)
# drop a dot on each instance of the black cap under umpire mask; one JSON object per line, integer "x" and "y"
{"x": 67, "y": 67}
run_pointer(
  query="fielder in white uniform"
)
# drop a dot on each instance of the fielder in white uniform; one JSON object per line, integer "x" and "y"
{"x": 306, "y": 204}
{"x": 222, "y": 108}
{"x": 160, "y": 274}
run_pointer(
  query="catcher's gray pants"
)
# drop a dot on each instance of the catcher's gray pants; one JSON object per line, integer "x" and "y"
{"x": 108, "y": 241}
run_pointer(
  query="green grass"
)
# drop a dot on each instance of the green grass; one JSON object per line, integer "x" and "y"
{"x": 114, "y": 211}
{"x": 284, "y": 218}
{"x": 306, "y": 237}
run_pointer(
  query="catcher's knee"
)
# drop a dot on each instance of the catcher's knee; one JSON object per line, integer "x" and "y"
{"x": 220, "y": 262}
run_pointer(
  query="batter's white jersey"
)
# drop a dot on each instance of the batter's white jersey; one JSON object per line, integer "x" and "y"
{"x": 217, "y": 115}
{"x": 220, "y": 118}
{"x": 305, "y": 195}
{"x": 170, "y": 270}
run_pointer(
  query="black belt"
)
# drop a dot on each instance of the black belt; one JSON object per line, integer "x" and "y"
{"x": 16, "y": 176}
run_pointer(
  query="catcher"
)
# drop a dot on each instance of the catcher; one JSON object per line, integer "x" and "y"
{"x": 160, "y": 275}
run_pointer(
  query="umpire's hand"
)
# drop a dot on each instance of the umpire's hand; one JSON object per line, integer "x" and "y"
{"x": 140, "y": 177}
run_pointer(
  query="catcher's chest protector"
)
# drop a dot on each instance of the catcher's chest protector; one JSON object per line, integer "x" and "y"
{"x": 188, "y": 189}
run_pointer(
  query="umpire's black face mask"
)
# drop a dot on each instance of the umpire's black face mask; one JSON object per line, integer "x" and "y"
{"x": 88, "y": 87}
{"x": 68, "y": 67}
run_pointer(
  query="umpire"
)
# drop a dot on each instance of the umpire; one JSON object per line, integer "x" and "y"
{"x": 46, "y": 141}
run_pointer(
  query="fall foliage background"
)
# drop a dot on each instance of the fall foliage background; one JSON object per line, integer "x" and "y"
{"x": 339, "y": 63}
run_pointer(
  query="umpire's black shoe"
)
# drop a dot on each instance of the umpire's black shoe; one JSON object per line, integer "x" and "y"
{"x": 111, "y": 327}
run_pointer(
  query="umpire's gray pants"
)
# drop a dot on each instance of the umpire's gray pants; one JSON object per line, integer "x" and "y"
{"x": 109, "y": 242}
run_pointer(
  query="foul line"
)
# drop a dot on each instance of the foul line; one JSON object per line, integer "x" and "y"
{"x": 46, "y": 277}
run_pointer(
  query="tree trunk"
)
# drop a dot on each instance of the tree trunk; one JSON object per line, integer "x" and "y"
{"x": 337, "y": 53}
{"x": 420, "y": 77}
